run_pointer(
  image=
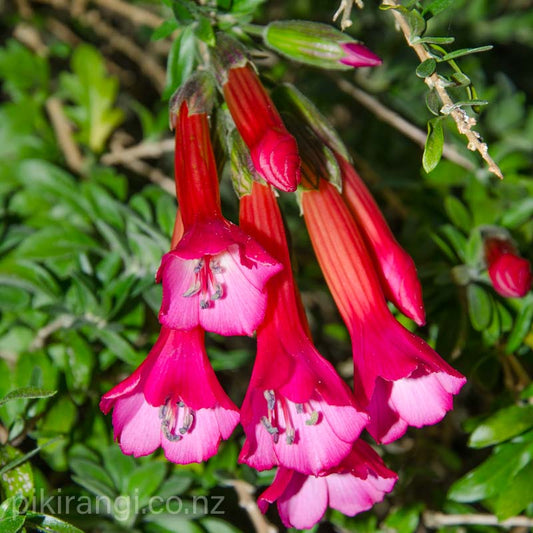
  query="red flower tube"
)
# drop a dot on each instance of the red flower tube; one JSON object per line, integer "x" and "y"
{"x": 297, "y": 411}
{"x": 215, "y": 276}
{"x": 396, "y": 269}
{"x": 398, "y": 378}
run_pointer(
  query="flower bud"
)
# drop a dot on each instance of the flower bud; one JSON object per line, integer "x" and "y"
{"x": 509, "y": 273}
{"x": 317, "y": 44}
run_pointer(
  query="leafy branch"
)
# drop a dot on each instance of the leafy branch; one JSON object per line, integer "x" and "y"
{"x": 412, "y": 24}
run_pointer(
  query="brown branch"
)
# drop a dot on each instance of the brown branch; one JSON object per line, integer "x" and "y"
{"x": 398, "y": 122}
{"x": 63, "y": 131}
{"x": 139, "y": 151}
{"x": 434, "y": 519}
{"x": 153, "y": 174}
{"x": 136, "y": 14}
{"x": 63, "y": 321}
{"x": 30, "y": 37}
{"x": 463, "y": 121}
{"x": 245, "y": 492}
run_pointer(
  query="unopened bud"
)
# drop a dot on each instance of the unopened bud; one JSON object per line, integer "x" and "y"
{"x": 317, "y": 44}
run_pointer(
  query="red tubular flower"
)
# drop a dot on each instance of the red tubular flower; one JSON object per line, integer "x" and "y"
{"x": 297, "y": 411}
{"x": 398, "y": 378}
{"x": 358, "y": 55}
{"x": 216, "y": 274}
{"x": 354, "y": 486}
{"x": 172, "y": 400}
{"x": 509, "y": 273}
{"x": 273, "y": 149}
{"x": 396, "y": 269}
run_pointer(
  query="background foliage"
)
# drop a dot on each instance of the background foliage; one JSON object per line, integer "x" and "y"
{"x": 87, "y": 211}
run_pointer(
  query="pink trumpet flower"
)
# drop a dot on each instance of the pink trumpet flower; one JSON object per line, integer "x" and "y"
{"x": 354, "y": 486}
{"x": 172, "y": 400}
{"x": 396, "y": 269}
{"x": 216, "y": 275}
{"x": 398, "y": 379}
{"x": 297, "y": 411}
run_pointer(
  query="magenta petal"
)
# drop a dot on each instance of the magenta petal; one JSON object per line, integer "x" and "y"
{"x": 137, "y": 425}
{"x": 275, "y": 157}
{"x": 215, "y": 278}
{"x": 358, "y": 55}
{"x": 304, "y": 501}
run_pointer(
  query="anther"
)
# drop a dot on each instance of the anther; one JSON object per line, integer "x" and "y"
{"x": 270, "y": 397}
{"x": 269, "y": 427}
{"x": 290, "y": 436}
{"x": 313, "y": 419}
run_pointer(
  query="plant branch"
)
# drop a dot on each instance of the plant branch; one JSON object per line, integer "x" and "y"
{"x": 245, "y": 492}
{"x": 436, "y": 520}
{"x": 396, "y": 121}
{"x": 463, "y": 121}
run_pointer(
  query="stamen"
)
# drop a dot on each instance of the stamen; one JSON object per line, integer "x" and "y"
{"x": 193, "y": 290}
{"x": 204, "y": 304}
{"x": 270, "y": 397}
{"x": 290, "y": 436}
{"x": 299, "y": 408}
{"x": 188, "y": 419}
{"x": 218, "y": 292}
{"x": 172, "y": 437}
{"x": 199, "y": 266}
{"x": 269, "y": 427}
{"x": 313, "y": 419}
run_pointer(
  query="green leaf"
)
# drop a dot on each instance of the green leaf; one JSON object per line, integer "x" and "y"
{"x": 119, "y": 467}
{"x": 181, "y": 60}
{"x": 432, "y": 40}
{"x": 93, "y": 93}
{"x": 27, "y": 393}
{"x": 460, "y": 79}
{"x": 458, "y": 213}
{"x": 16, "y": 476}
{"x": 518, "y": 212}
{"x": 521, "y": 327}
{"x": 118, "y": 345}
{"x": 55, "y": 242}
{"x": 517, "y": 494}
{"x": 438, "y": 6}
{"x": 94, "y": 477}
{"x": 166, "y": 28}
{"x": 434, "y": 145}
{"x": 504, "y": 424}
{"x": 474, "y": 248}
{"x": 204, "y": 31}
{"x": 49, "y": 524}
{"x": 480, "y": 307}
{"x": 11, "y": 524}
{"x": 426, "y": 68}
{"x": 433, "y": 102}
{"x": 416, "y": 22}
{"x": 145, "y": 480}
{"x": 404, "y": 519}
{"x": 464, "y": 52}
{"x": 492, "y": 475}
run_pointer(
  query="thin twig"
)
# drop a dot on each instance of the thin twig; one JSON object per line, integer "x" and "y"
{"x": 396, "y": 121}
{"x": 63, "y": 131}
{"x": 464, "y": 122}
{"x": 139, "y": 151}
{"x": 119, "y": 42}
{"x": 245, "y": 492}
{"x": 63, "y": 321}
{"x": 153, "y": 174}
{"x": 345, "y": 8}
{"x": 434, "y": 519}
{"x": 30, "y": 37}
{"x": 136, "y": 14}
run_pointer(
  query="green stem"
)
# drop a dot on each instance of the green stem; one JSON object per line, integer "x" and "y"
{"x": 253, "y": 29}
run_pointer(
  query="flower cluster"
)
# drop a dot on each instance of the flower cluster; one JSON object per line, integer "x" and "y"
{"x": 298, "y": 414}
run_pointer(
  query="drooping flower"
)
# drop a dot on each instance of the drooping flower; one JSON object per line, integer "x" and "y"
{"x": 172, "y": 400}
{"x": 398, "y": 379}
{"x": 273, "y": 149}
{"x": 215, "y": 276}
{"x": 396, "y": 269}
{"x": 509, "y": 273}
{"x": 354, "y": 486}
{"x": 297, "y": 411}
